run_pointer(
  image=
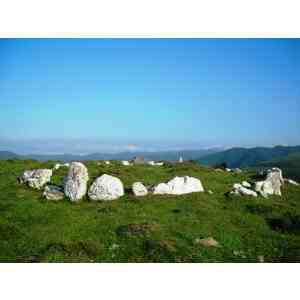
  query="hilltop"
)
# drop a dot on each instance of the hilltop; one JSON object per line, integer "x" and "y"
{"x": 154, "y": 228}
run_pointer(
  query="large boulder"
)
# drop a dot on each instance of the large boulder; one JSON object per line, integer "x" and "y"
{"x": 75, "y": 185}
{"x": 106, "y": 187}
{"x": 272, "y": 184}
{"x": 179, "y": 186}
{"x": 36, "y": 178}
{"x": 185, "y": 185}
{"x": 139, "y": 189}
{"x": 53, "y": 192}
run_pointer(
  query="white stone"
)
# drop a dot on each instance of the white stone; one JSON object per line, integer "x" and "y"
{"x": 162, "y": 188}
{"x": 125, "y": 163}
{"x": 151, "y": 162}
{"x": 179, "y": 186}
{"x": 239, "y": 189}
{"x": 159, "y": 164}
{"x": 53, "y": 192}
{"x": 246, "y": 184}
{"x": 36, "y": 178}
{"x": 139, "y": 189}
{"x": 106, "y": 187}
{"x": 228, "y": 170}
{"x": 272, "y": 184}
{"x": 66, "y": 165}
{"x": 290, "y": 181}
{"x": 57, "y": 166}
{"x": 107, "y": 162}
{"x": 75, "y": 185}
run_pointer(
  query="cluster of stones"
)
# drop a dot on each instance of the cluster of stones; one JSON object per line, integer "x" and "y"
{"x": 270, "y": 186}
{"x": 105, "y": 187}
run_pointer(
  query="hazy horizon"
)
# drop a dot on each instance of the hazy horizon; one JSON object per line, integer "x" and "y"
{"x": 113, "y": 95}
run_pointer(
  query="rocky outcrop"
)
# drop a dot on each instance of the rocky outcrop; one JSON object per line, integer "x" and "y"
{"x": 106, "y": 187}
{"x": 139, "y": 189}
{"x": 53, "y": 192}
{"x": 125, "y": 163}
{"x": 75, "y": 185}
{"x": 179, "y": 186}
{"x": 246, "y": 184}
{"x": 36, "y": 178}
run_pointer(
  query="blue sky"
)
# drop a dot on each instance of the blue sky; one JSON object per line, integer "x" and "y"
{"x": 89, "y": 95}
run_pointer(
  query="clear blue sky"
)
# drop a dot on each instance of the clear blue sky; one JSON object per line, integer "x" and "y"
{"x": 87, "y": 95}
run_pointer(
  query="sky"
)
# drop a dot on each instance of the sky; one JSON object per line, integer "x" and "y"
{"x": 113, "y": 95}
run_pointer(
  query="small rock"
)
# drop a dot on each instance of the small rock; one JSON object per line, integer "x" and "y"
{"x": 53, "y": 192}
{"x": 207, "y": 242}
{"x": 237, "y": 170}
{"x": 210, "y": 192}
{"x": 139, "y": 189}
{"x": 125, "y": 163}
{"x": 246, "y": 184}
{"x": 261, "y": 258}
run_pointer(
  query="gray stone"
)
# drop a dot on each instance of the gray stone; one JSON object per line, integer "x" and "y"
{"x": 106, "y": 187}
{"x": 75, "y": 184}
{"x": 139, "y": 189}
{"x": 36, "y": 178}
{"x": 53, "y": 192}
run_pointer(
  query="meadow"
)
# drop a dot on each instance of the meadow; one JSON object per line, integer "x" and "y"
{"x": 154, "y": 228}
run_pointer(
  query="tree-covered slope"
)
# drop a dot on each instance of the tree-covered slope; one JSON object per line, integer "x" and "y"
{"x": 245, "y": 157}
{"x": 290, "y": 165}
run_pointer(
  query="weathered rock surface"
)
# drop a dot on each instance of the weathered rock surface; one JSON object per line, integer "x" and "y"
{"x": 36, "y": 178}
{"x": 53, "y": 192}
{"x": 237, "y": 170}
{"x": 125, "y": 163}
{"x": 272, "y": 184}
{"x": 246, "y": 184}
{"x": 238, "y": 189}
{"x": 75, "y": 185}
{"x": 179, "y": 186}
{"x": 106, "y": 187}
{"x": 139, "y": 189}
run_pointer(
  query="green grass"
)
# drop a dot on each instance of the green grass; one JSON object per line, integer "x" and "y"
{"x": 155, "y": 228}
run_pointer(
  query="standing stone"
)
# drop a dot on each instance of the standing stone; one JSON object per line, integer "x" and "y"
{"x": 139, "y": 189}
{"x": 106, "y": 187}
{"x": 75, "y": 185}
{"x": 36, "y": 178}
{"x": 275, "y": 177}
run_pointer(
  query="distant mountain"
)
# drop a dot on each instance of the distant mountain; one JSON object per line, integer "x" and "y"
{"x": 243, "y": 157}
{"x": 7, "y": 155}
{"x": 162, "y": 155}
{"x": 290, "y": 165}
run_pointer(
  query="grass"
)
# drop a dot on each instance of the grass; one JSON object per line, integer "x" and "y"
{"x": 155, "y": 228}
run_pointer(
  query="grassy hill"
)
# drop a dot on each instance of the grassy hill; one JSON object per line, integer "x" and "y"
{"x": 155, "y": 228}
{"x": 290, "y": 165}
{"x": 245, "y": 157}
